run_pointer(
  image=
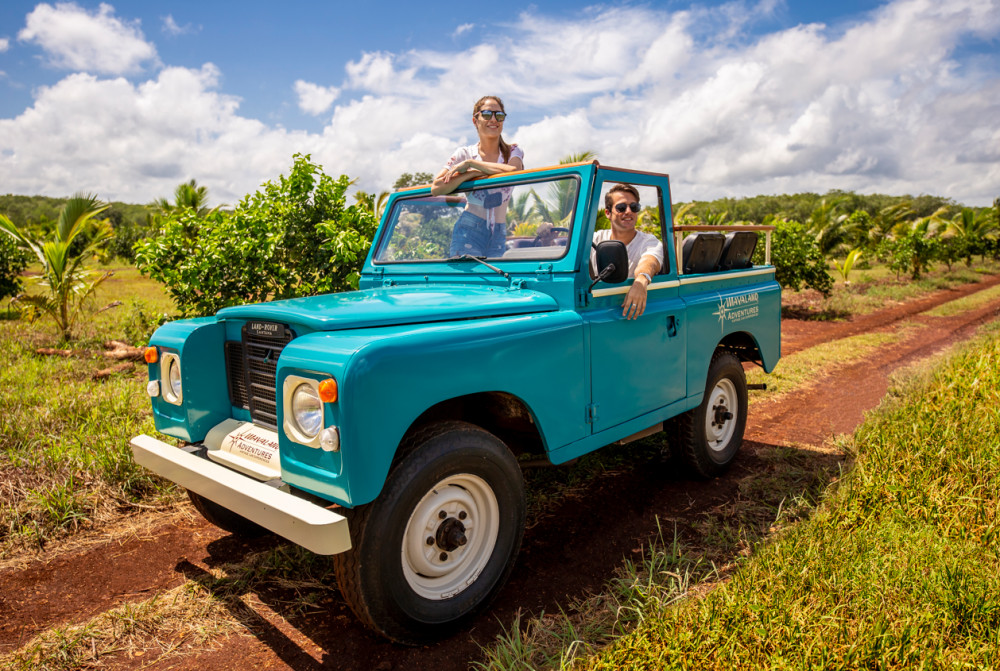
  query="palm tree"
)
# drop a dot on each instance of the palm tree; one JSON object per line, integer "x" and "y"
{"x": 187, "y": 195}
{"x": 972, "y": 231}
{"x": 518, "y": 210}
{"x": 826, "y": 224}
{"x": 561, "y": 198}
{"x": 887, "y": 219}
{"x": 369, "y": 202}
{"x": 66, "y": 283}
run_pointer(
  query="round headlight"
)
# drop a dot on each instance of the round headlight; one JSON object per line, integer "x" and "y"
{"x": 174, "y": 377}
{"x": 307, "y": 409}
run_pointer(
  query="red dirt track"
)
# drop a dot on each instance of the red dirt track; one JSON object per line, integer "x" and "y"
{"x": 569, "y": 553}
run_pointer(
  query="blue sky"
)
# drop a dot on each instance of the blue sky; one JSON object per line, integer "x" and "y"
{"x": 127, "y": 99}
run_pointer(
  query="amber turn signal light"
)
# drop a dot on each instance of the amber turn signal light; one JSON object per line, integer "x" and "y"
{"x": 328, "y": 390}
{"x": 151, "y": 355}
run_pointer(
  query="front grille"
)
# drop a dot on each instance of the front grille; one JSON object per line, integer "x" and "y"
{"x": 251, "y": 367}
{"x": 236, "y": 375}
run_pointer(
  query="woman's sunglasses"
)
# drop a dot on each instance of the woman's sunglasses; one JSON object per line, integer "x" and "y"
{"x": 621, "y": 207}
{"x": 489, "y": 114}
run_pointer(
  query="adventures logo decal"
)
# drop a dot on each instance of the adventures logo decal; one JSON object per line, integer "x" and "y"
{"x": 735, "y": 309}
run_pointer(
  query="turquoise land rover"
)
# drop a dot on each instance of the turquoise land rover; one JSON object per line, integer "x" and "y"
{"x": 383, "y": 426}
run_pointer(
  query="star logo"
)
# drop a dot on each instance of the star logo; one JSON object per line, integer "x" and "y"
{"x": 721, "y": 314}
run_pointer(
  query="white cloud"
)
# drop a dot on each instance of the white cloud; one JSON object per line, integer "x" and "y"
{"x": 464, "y": 28}
{"x": 76, "y": 39}
{"x": 315, "y": 99}
{"x": 888, "y": 103}
{"x": 4, "y": 44}
{"x": 172, "y": 28}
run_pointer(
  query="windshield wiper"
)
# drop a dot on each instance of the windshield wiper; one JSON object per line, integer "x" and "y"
{"x": 479, "y": 259}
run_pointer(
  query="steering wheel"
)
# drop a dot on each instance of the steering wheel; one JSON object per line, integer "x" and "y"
{"x": 554, "y": 229}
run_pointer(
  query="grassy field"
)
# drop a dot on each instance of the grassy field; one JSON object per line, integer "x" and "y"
{"x": 65, "y": 464}
{"x": 893, "y": 566}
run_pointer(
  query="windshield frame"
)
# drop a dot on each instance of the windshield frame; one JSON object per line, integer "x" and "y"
{"x": 535, "y": 181}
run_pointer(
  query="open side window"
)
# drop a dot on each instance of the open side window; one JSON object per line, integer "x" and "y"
{"x": 648, "y": 220}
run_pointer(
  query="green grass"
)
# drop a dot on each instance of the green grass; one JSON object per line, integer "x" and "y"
{"x": 897, "y": 568}
{"x": 966, "y": 304}
{"x": 65, "y": 462}
{"x": 873, "y": 288}
{"x": 800, "y": 369}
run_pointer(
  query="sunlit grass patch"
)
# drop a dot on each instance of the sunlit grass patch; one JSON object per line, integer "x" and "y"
{"x": 800, "y": 369}
{"x": 64, "y": 454}
{"x": 183, "y": 617}
{"x": 213, "y": 603}
{"x": 876, "y": 287}
{"x": 966, "y": 304}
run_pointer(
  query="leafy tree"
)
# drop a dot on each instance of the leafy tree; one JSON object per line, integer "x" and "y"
{"x": 912, "y": 250}
{"x": 12, "y": 261}
{"x": 293, "y": 237}
{"x": 407, "y": 180}
{"x": 796, "y": 258}
{"x": 66, "y": 283}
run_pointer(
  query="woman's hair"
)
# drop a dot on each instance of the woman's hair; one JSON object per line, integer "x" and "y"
{"x": 504, "y": 147}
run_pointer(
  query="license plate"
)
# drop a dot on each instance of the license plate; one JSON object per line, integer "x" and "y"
{"x": 246, "y": 447}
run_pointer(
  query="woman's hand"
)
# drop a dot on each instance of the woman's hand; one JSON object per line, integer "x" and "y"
{"x": 460, "y": 169}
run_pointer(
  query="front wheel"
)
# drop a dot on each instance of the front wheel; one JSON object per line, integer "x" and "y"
{"x": 224, "y": 518}
{"x": 709, "y": 436}
{"x": 439, "y": 542}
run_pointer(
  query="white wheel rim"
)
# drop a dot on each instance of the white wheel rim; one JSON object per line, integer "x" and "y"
{"x": 722, "y": 399}
{"x": 436, "y": 572}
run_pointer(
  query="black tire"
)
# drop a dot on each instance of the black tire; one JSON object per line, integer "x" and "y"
{"x": 708, "y": 437}
{"x": 388, "y": 578}
{"x": 224, "y": 518}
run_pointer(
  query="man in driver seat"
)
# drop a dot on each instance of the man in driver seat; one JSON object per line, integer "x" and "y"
{"x": 645, "y": 253}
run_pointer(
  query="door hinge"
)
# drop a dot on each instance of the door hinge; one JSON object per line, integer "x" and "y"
{"x": 591, "y": 413}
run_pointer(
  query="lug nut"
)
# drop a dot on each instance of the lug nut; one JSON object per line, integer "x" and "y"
{"x": 462, "y": 515}
{"x": 430, "y": 540}
{"x": 443, "y": 556}
{"x": 442, "y": 515}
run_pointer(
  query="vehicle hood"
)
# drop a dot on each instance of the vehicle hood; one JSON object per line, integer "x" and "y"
{"x": 395, "y": 305}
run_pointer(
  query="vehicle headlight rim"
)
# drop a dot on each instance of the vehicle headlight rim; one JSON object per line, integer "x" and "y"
{"x": 307, "y": 410}
{"x": 174, "y": 377}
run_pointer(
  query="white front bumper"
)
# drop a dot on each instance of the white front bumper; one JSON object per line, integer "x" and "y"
{"x": 315, "y": 528}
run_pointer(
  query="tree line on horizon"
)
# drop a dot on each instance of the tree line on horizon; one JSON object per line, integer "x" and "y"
{"x": 316, "y": 241}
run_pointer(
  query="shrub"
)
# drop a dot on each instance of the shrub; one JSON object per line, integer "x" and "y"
{"x": 12, "y": 262}
{"x": 293, "y": 237}
{"x": 796, "y": 257}
{"x": 911, "y": 253}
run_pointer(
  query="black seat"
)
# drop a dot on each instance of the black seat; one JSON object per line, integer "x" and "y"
{"x": 701, "y": 252}
{"x": 737, "y": 251}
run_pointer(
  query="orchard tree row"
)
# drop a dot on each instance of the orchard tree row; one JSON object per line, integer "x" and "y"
{"x": 298, "y": 235}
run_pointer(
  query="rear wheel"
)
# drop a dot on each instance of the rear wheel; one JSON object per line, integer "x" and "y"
{"x": 224, "y": 518}
{"x": 708, "y": 437}
{"x": 439, "y": 542}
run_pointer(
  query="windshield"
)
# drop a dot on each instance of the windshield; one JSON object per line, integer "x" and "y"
{"x": 521, "y": 221}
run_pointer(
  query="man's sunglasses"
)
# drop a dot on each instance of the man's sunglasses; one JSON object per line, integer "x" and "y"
{"x": 489, "y": 114}
{"x": 621, "y": 207}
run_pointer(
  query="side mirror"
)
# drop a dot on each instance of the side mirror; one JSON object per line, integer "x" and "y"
{"x": 612, "y": 262}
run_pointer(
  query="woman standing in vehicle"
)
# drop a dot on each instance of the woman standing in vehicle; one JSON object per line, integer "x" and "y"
{"x": 482, "y": 228}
